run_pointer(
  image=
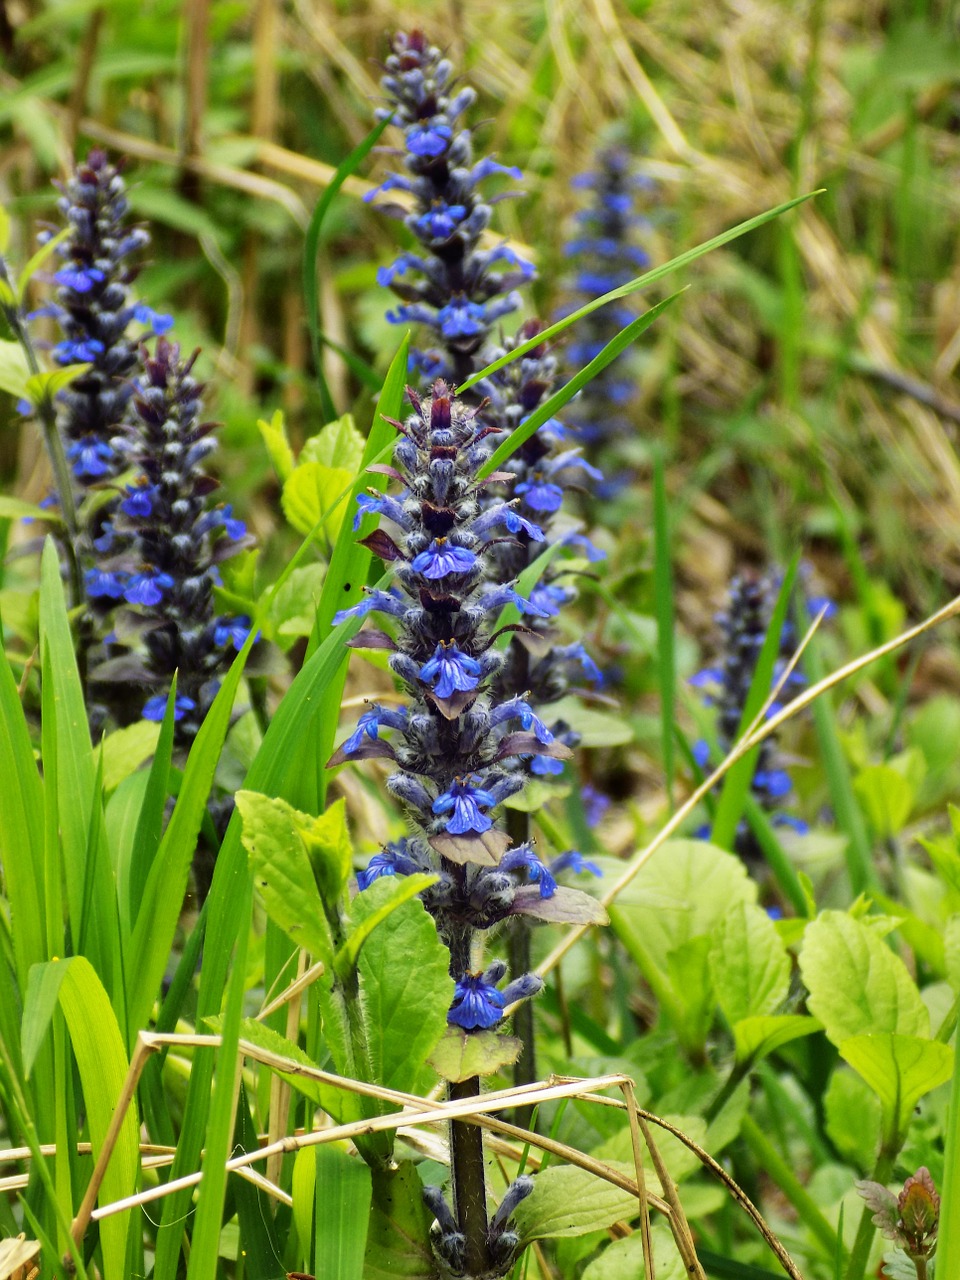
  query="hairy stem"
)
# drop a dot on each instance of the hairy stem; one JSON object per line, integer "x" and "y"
{"x": 466, "y": 1147}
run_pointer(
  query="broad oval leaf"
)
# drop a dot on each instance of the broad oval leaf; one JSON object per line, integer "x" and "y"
{"x": 857, "y": 984}
{"x": 900, "y": 1069}
{"x": 569, "y": 1201}
{"x": 461, "y": 1054}
{"x": 749, "y": 964}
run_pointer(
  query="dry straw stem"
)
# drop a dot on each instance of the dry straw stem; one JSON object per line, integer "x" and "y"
{"x": 417, "y": 1111}
{"x": 753, "y": 738}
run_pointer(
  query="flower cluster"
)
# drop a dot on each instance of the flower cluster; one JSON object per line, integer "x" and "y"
{"x": 163, "y": 543}
{"x": 94, "y": 309}
{"x": 606, "y": 255}
{"x": 744, "y": 624}
{"x": 542, "y": 469}
{"x": 452, "y": 286}
{"x": 454, "y": 745}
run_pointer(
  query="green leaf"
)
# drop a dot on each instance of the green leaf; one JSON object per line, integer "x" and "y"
{"x": 302, "y": 1190}
{"x": 17, "y": 509}
{"x": 648, "y": 278}
{"x": 887, "y": 797}
{"x": 595, "y": 728}
{"x": 272, "y": 836}
{"x": 14, "y": 370}
{"x": 34, "y": 263}
{"x": 756, "y": 1037}
{"x": 44, "y": 386}
{"x": 900, "y": 1069}
{"x": 398, "y": 1237}
{"x": 4, "y": 229}
{"x": 568, "y": 1201}
{"x": 406, "y": 984}
{"x": 338, "y": 444}
{"x": 293, "y": 609}
{"x": 125, "y": 750}
{"x": 311, "y": 499}
{"x": 623, "y": 1259}
{"x": 21, "y": 828}
{"x": 749, "y": 964}
{"x": 311, "y": 244}
{"x": 159, "y": 908}
{"x": 856, "y": 983}
{"x": 329, "y": 849}
{"x": 461, "y": 1054}
{"x": 683, "y": 892}
{"x": 391, "y": 895}
{"x": 102, "y": 1062}
{"x": 853, "y": 1117}
{"x": 274, "y": 435}
{"x": 552, "y": 406}
{"x": 342, "y": 1206}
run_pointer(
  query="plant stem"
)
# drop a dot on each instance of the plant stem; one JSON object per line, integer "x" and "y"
{"x": 466, "y": 1147}
{"x": 788, "y": 1182}
{"x": 860, "y": 1254}
{"x": 948, "y": 1246}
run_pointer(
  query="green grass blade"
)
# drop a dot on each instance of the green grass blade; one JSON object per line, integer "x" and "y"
{"x": 21, "y": 828}
{"x": 311, "y": 243}
{"x": 849, "y": 816}
{"x": 663, "y": 601}
{"x": 350, "y": 563}
{"x": 343, "y": 1191}
{"x": 559, "y": 398}
{"x": 776, "y": 858}
{"x": 649, "y": 277}
{"x": 146, "y": 841}
{"x": 167, "y": 879}
{"x": 364, "y": 373}
{"x": 275, "y": 772}
{"x": 736, "y": 783}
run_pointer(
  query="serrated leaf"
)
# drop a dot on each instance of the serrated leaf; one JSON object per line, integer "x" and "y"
{"x": 900, "y": 1069}
{"x": 282, "y": 871}
{"x": 338, "y": 444}
{"x": 757, "y": 1037}
{"x": 274, "y": 435}
{"x": 461, "y": 1054}
{"x": 372, "y": 908}
{"x": 568, "y": 1201}
{"x": 857, "y": 984}
{"x": 406, "y": 985}
{"x": 329, "y": 848}
{"x": 749, "y": 964}
{"x": 316, "y": 495}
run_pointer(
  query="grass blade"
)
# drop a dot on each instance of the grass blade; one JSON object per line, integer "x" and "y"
{"x": 311, "y": 243}
{"x": 663, "y": 601}
{"x": 559, "y": 398}
{"x": 649, "y": 277}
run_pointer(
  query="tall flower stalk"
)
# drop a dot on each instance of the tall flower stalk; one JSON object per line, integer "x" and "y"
{"x": 454, "y": 287}
{"x": 163, "y": 544}
{"x": 606, "y": 253}
{"x": 455, "y": 746}
{"x": 743, "y": 625}
{"x": 459, "y": 290}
